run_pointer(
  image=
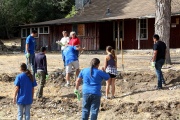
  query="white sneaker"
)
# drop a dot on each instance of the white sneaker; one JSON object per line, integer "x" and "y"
{"x": 105, "y": 97}
{"x": 67, "y": 85}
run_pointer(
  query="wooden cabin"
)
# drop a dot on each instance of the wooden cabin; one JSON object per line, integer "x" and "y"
{"x": 98, "y": 23}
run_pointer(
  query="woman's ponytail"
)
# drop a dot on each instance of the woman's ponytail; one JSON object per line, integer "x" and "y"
{"x": 113, "y": 54}
{"x": 28, "y": 72}
{"x": 94, "y": 63}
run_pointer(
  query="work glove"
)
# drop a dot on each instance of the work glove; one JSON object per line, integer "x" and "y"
{"x": 77, "y": 93}
{"x": 47, "y": 77}
{"x": 153, "y": 64}
{"x": 27, "y": 55}
{"x": 36, "y": 75}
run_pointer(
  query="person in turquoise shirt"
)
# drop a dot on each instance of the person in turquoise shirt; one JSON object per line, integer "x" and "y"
{"x": 91, "y": 90}
{"x": 24, "y": 92}
{"x": 30, "y": 50}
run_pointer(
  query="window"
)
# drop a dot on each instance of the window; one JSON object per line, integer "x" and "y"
{"x": 27, "y": 31}
{"x": 115, "y": 30}
{"x": 79, "y": 29}
{"x": 44, "y": 30}
{"x": 143, "y": 29}
{"x": 35, "y": 28}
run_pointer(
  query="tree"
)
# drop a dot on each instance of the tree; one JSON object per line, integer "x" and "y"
{"x": 17, "y": 12}
{"x": 163, "y": 22}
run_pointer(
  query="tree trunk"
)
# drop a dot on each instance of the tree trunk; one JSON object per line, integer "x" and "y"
{"x": 163, "y": 23}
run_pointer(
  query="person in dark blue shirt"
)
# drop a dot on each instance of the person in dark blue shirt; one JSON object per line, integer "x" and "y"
{"x": 92, "y": 78}
{"x": 158, "y": 59}
{"x": 24, "y": 92}
{"x": 30, "y": 50}
{"x": 41, "y": 70}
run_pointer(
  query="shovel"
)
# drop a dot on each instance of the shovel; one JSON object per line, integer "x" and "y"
{"x": 122, "y": 55}
{"x": 81, "y": 51}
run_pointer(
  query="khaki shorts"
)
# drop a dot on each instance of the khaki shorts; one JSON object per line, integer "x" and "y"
{"x": 74, "y": 64}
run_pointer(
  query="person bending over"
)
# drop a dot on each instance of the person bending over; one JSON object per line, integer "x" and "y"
{"x": 71, "y": 60}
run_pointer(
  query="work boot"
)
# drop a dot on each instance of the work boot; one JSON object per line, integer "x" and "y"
{"x": 164, "y": 83}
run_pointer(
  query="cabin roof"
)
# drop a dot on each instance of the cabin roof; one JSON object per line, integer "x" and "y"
{"x": 97, "y": 11}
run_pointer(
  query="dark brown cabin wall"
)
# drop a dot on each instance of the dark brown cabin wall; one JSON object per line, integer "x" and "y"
{"x": 43, "y": 41}
{"x": 148, "y": 43}
{"x": 175, "y": 33}
{"x": 106, "y": 35}
{"x": 129, "y": 41}
{"x": 56, "y": 34}
{"x": 90, "y": 38}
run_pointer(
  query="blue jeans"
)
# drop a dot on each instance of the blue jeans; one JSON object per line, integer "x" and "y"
{"x": 91, "y": 105}
{"x": 158, "y": 67}
{"x": 30, "y": 63}
{"x": 24, "y": 109}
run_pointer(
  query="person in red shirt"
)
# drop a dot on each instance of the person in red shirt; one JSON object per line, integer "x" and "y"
{"x": 74, "y": 40}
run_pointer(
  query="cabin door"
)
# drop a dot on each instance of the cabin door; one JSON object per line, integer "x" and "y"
{"x": 106, "y": 35}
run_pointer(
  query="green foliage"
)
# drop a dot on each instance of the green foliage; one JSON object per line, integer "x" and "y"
{"x": 72, "y": 12}
{"x": 18, "y": 12}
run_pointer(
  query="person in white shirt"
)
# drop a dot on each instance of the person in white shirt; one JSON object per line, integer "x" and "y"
{"x": 64, "y": 42}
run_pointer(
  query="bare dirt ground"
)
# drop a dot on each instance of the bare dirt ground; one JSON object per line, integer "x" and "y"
{"x": 135, "y": 99}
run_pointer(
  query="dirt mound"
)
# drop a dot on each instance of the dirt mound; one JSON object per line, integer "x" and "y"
{"x": 7, "y": 77}
{"x": 57, "y": 77}
{"x": 129, "y": 104}
{"x": 159, "y": 110}
{"x": 135, "y": 81}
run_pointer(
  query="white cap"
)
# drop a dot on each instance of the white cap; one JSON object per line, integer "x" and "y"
{"x": 72, "y": 33}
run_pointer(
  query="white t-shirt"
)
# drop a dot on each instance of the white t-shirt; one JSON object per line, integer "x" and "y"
{"x": 64, "y": 41}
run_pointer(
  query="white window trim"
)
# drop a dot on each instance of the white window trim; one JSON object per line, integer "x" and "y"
{"x": 114, "y": 39}
{"x": 43, "y": 30}
{"x": 137, "y": 30}
{"x": 22, "y": 32}
{"x": 30, "y": 32}
{"x": 37, "y": 31}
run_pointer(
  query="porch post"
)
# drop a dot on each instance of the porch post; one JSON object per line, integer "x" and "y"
{"x": 139, "y": 33}
{"x": 118, "y": 34}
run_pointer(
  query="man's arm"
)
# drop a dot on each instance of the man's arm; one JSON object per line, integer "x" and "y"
{"x": 32, "y": 92}
{"x": 154, "y": 55}
{"x": 45, "y": 65}
{"x": 27, "y": 48}
{"x": 35, "y": 65}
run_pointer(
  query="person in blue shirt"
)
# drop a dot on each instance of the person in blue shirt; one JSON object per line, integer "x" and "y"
{"x": 91, "y": 90}
{"x": 71, "y": 60}
{"x": 30, "y": 50}
{"x": 24, "y": 92}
